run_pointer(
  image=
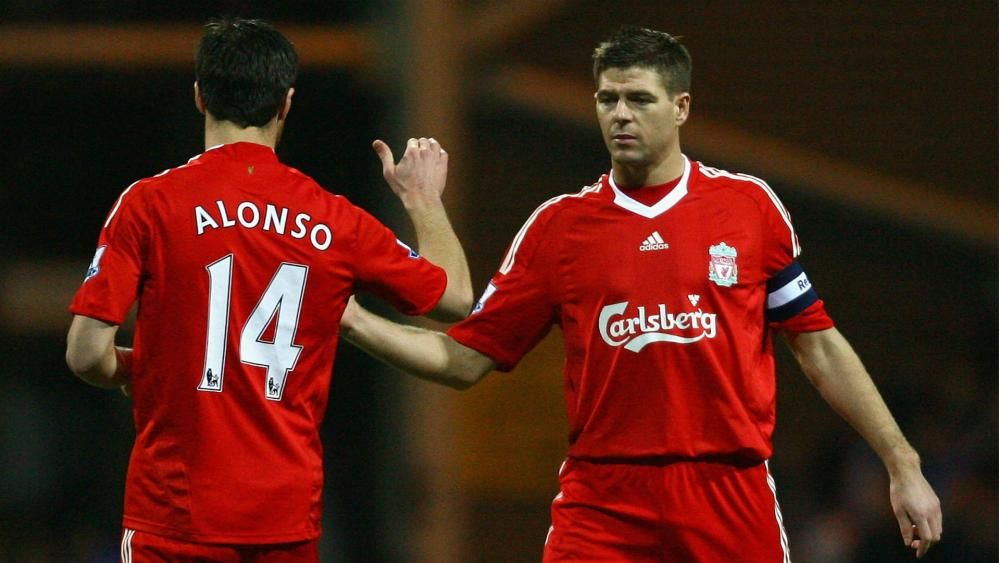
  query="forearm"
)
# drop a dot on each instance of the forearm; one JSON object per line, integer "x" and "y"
{"x": 837, "y": 372}
{"x": 437, "y": 242}
{"x": 427, "y": 354}
{"x": 842, "y": 380}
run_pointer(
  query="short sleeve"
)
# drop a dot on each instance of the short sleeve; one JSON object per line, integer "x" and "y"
{"x": 781, "y": 242}
{"x": 111, "y": 283}
{"x": 517, "y": 309}
{"x": 393, "y": 271}
{"x": 792, "y": 302}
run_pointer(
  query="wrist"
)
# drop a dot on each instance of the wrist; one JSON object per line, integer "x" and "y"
{"x": 422, "y": 205}
{"x": 901, "y": 460}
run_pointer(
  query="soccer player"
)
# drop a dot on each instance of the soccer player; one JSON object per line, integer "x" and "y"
{"x": 242, "y": 267}
{"x": 668, "y": 278}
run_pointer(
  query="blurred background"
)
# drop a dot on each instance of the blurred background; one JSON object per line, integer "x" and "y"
{"x": 875, "y": 122}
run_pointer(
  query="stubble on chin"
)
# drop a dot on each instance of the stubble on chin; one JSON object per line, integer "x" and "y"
{"x": 628, "y": 158}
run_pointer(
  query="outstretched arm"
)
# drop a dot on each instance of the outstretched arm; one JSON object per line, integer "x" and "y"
{"x": 418, "y": 180}
{"x": 427, "y": 354}
{"x": 836, "y": 371}
{"x": 92, "y": 355}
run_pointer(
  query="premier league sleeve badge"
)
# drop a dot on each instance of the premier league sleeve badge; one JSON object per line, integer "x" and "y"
{"x": 95, "y": 264}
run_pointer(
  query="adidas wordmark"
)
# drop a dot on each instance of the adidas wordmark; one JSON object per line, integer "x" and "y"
{"x": 653, "y": 242}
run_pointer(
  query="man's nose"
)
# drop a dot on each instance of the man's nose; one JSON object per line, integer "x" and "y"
{"x": 622, "y": 111}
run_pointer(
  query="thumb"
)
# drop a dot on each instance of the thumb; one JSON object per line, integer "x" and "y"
{"x": 384, "y": 154}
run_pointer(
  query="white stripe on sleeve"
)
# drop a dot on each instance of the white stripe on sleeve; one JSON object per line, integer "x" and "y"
{"x": 508, "y": 261}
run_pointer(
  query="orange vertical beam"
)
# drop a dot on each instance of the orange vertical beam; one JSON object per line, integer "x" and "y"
{"x": 433, "y": 107}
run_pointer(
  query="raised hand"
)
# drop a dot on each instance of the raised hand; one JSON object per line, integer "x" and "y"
{"x": 418, "y": 180}
{"x": 419, "y": 177}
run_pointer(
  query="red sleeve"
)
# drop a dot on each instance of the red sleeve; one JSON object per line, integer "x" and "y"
{"x": 792, "y": 303}
{"x": 393, "y": 271}
{"x": 781, "y": 243}
{"x": 112, "y": 280}
{"x": 812, "y": 319}
{"x": 517, "y": 309}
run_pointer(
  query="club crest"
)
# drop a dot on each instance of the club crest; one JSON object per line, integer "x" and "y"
{"x": 722, "y": 264}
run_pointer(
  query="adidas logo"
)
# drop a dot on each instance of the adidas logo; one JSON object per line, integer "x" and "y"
{"x": 653, "y": 242}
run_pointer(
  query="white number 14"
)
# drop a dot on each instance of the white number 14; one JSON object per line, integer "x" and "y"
{"x": 283, "y": 297}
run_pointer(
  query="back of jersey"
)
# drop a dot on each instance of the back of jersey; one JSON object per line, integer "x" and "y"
{"x": 242, "y": 268}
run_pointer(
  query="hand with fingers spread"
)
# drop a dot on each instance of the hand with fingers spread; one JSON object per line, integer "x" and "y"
{"x": 917, "y": 510}
{"x": 419, "y": 177}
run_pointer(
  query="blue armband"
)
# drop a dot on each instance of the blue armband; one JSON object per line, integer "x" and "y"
{"x": 789, "y": 292}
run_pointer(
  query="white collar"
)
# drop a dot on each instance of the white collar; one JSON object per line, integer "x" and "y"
{"x": 658, "y": 208}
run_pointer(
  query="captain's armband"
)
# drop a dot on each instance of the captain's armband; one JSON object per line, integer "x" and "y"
{"x": 789, "y": 292}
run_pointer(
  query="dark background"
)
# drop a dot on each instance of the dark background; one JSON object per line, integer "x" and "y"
{"x": 904, "y": 90}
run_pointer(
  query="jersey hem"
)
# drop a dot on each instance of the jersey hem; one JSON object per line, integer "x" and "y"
{"x": 748, "y": 459}
{"x": 230, "y": 538}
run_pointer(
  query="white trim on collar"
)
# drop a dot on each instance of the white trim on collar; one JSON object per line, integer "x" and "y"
{"x": 650, "y": 211}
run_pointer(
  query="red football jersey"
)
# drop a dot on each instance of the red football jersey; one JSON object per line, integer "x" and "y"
{"x": 242, "y": 268}
{"x": 666, "y": 311}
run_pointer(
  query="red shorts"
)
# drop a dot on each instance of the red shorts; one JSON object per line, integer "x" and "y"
{"x": 143, "y": 547}
{"x": 686, "y": 511}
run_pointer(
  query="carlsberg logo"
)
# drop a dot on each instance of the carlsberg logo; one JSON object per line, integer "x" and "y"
{"x": 637, "y": 330}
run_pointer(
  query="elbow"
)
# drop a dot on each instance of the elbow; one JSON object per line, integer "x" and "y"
{"x": 462, "y": 383}
{"x": 466, "y": 301}
{"x": 461, "y": 303}
{"x": 453, "y": 307}
{"x": 88, "y": 366}
{"x": 90, "y": 352}
{"x": 466, "y": 377}
{"x": 78, "y": 362}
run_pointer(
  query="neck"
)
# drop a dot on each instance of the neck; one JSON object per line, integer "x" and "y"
{"x": 225, "y": 132}
{"x": 640, "y": 175}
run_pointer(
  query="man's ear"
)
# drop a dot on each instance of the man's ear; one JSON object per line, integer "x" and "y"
{"x": 287, "y": 106}
{"x": 682, "y": 108}
{"x": 198, "y": 102}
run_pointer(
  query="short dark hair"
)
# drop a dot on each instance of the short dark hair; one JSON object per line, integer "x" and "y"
{"x": 244, "y": 70}
{"x": 633, "y": 46}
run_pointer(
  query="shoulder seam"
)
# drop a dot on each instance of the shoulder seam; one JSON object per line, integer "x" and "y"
{"x": 121, "y": 197}
{"x": 510, "y": 258}
{"x": 771, "y": 195}
{"x": 118, "y": 203}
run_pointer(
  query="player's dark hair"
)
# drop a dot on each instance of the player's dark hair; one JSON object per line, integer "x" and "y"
{"x": 244, "y": 70}
{"x": 632, "y": 46}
